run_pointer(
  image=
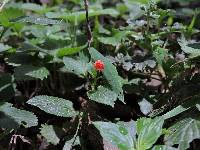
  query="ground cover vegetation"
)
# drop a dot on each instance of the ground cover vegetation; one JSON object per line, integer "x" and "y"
{"x": 99, "y": 74}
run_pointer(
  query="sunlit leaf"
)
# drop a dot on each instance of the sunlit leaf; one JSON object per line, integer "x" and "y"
{"x": 103, "y": 95}
{"x": 148, "y": 130}
{"x": 53, "y": 105}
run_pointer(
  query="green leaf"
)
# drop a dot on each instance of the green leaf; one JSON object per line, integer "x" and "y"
{"x": 10, "y": 13}
{"x": 53, "y": 105}
{"x": 39, "y": 73}
{"x": 160, "y": 54}
{"x": 80, "y": 16}
{"x": 112, "y": 133}
{"x": 68, "y": 144}
{"x": 28, "y": 72}
{"x": 103, "y": 95}
{"x": 163, "y": 147}
{"x": 49, "y": 133}
{"x": 110, "y": 73}
{"x": 148, "y": 130}
{"x": 188, "y": 49}
{"x": 145, "y": 106}
{"x": 114, "y": 40}
{"x": 183, "y": 132}
{"x": 181, "y": 108}
{"x": 6, "y": 86}
{"x": 78, "y": 67}
{"x": 36, "y": 20}
{"x": 34, "y": 7}
{"x": 4, "y": 47}
{"x": 12, "y": 117}
{"x": 69, "y": 51}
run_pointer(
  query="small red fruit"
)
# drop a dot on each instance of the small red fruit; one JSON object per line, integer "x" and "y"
{"x": 99, "y": 65}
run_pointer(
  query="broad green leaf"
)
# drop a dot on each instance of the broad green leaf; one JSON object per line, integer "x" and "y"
{"x": 103, "y": 95}
{"x": 69, "y": 51}
{"x": 49, "y": 133}
{"x": 78, "y": 67}
{"x": 115, "y": 134}
{"x": 129, "y": 127}
{"x": 181, "y": 108}
{"x": 53, "y": 105}
{"x": 148, "y": 130}
{"x": 110, "y": 73}
{"x": 28, "y": 72}
{"x": 188, "y": 49}
{"x": 36, "y": 20}
{"x": 39, "y": 73}
{"x": 4, "y": 47}
{"x": 10, "y": 13}
{"x": 115, "y": 39}
{"x": 34, "y": 7}
{"x": 12, "y": 117}
{"x": 163, "y": 147}
{"x": 183, "y": 132}
{"x": 80, "y": 16}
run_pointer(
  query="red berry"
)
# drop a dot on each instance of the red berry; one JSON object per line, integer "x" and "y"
{"x": 99, "y": 65}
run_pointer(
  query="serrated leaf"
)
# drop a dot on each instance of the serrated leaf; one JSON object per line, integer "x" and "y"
{"x": 103, "y": 95}
{"x": 183, "y": 132}
{"x": 110, "y": 73}
{"x": 28, "y": 72}
{"x": 36, "y": 20}
{"x": 148, "y": 130}
{"x": 160, "y": 54}
{"x": 39, "y": 73}
{"x": 49, "y": 133}
{"x": 12, "y": 118}
{"x": 78, "y": 67}
{"x": 69, "y": 51}
{"x": 53, "y": 105}
{"x": 113, "y": 134}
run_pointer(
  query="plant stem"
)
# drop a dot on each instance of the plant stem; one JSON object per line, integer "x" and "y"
{"x": 77, "y": 129}
{"x": 89, "y": 32}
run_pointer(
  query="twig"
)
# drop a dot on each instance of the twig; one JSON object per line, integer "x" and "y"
{"x": 13, "y": 141}
{"x": 179, "y": 62}
{"x": 77, "y": 129}
{"x": 89, "y": 32}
